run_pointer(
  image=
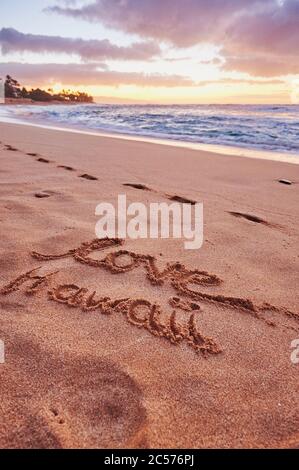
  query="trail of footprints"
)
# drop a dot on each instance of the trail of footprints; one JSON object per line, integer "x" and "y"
{"x": 142, "y": 187}
{"x": 183, "y": 200}
{"x": 175, "y": 198}
{"x": 88, "y": 177}
{"x": 140, "y": 312}
{"x": 41, "y": 159}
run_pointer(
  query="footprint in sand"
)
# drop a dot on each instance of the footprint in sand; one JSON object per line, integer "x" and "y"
{"x": 140, "y": 186}
{"x": 89, "y": 177}
{"x": 175, "y": 198}
{"x": 106, "y": 409}
{"x": 287, "y": 182}
{"x": 182, "y": 200}
{"x": 42, "y": 195}
{"x": 43, "y": 160}
{"x": 64, "y": 167}
{"x": 12, "y": 149}
{"x": 251, "y": 218}
{"x": 82, "y": 402}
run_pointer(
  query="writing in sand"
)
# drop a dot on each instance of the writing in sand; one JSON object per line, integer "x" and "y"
{"x": 140, "y": 312}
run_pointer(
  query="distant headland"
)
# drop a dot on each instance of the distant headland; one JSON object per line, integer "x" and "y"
{"x": 16, "y": 94}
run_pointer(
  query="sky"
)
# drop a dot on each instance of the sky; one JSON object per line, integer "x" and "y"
{"x": 155, "y": 51}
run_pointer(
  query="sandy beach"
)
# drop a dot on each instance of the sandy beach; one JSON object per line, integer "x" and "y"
{"x": 94, "y": 355}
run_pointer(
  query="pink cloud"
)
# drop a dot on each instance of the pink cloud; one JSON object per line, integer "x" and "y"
{"x": 250, "y": 31}
{"x": 183, "y": 23}
{"x": 12, "y": 40}
{"x": 44, "y": 75}
{"x": 262, "y": 66}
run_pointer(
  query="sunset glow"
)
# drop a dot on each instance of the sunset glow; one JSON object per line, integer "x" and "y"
{"x": 157, "y": 52}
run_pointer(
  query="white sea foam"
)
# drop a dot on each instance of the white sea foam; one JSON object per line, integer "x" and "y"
{"x": 265, "y": 128}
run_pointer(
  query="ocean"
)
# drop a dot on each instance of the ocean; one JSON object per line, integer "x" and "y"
{"x": 271, "y": 128}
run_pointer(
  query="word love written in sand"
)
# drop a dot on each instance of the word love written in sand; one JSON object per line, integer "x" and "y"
{"x": 140, "y": 312}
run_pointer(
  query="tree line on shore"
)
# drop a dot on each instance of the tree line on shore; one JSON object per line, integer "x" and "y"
{"x": 14, "y": 90}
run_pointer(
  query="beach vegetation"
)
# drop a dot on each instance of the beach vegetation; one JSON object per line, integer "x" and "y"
{"x": 13, "y": 90}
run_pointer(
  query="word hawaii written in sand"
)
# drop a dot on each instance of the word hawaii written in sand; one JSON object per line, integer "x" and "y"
{"x": 140, "y": 312}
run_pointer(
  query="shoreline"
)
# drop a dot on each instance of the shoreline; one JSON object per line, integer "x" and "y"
{"x": 210, "y": 148}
